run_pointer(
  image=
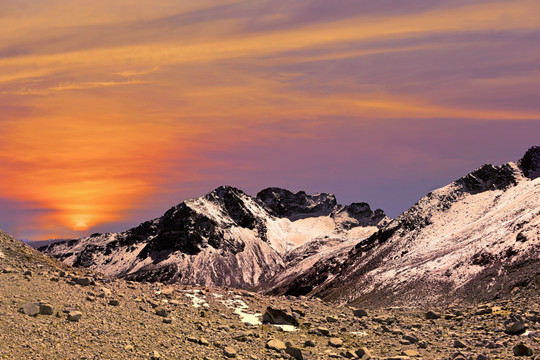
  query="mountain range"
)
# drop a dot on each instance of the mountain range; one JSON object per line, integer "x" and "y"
{"x": 477, "y": 238}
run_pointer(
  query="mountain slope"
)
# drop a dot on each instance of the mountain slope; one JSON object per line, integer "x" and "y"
{"x": 225, "y": 238}
{"x": 478, "y": 237}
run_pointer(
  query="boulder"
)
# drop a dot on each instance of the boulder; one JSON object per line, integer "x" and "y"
{"x": 279, "y": 317}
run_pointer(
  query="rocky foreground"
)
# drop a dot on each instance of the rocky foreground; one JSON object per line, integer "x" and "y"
{"x": 51, "y": 311}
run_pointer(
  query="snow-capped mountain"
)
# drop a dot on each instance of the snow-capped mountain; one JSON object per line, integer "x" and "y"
{"x": 225, "y": 238}
{"x": 476, "y": 238}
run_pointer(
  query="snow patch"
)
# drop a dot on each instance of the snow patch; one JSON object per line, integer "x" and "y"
{"x": 197, "y": 301}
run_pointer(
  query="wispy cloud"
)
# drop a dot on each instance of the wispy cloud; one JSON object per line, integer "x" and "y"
{"x": 73, "y": 86}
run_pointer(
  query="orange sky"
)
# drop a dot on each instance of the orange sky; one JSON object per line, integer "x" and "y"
{"x": 111, "y": 113}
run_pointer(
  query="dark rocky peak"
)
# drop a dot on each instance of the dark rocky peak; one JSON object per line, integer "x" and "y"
{"x": 284, "y": 203}
{"x": 488, "y": 177}
{"x": 223, "y": 193}
{"x": 363, "y": 213}
{"x": 530, "y": 163}
{"x": 233, "y": 203}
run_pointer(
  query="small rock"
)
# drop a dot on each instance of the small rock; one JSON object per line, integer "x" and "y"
{"x": 481, "y": 357}
{"x": 203, "y": 341}
{"x": 84, "y": 281}
{"x": 129, "y": 348}
{"x": 309, "y": 343}
{"x": 46, "y": 309}
{"x": 276, "y": 345}
{"x": 29, "y": 309}
{"x": 335, "y": 342}
{"x": 155, "y": 355}
{"x": 363, "y": 353}
{"x": 229, "y": 352}
{"x": 410, "y": 353}
{"x": 168, "y": 320}
{"x": 432, "y": 315}
{"x": 459, "y": 344}
{"x": 410, "y": 339}
{"x": 27, "y": 273}
{"x": 161, "y": 312}
{"x": 359, "y": 313}
{"x": 324, "y": 331}
{"x": 74, "y": 315}
{"x": 522, "y": 350}
{"x": 514, "y": 325}
{"x": 114, "y": 302}
{"x": 9, "y": 270}
{"x": 331, "y": 319}
{"x": 294, "y": 351}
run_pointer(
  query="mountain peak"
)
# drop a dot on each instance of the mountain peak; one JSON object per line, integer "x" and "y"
{"x": 284, "y": 203}
{"x": 530, "y": 162}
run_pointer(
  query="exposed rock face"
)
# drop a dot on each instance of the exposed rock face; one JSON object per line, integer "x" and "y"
{"x": 477, "y": 237}
{"x": 530, "y": 162}
{"x": 225, "y": 238}
{"x": 284, "y": 203}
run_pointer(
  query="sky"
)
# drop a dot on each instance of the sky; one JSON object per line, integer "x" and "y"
{"x": 111, "y": 112}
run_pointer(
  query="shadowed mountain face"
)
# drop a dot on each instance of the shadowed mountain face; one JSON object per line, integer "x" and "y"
{"x": 476, "y": 238}
{"x": 224, "y": 238}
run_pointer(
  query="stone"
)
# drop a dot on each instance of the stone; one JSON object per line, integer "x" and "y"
{"x": 9, "y": 270}
{"x": 514, "y": 325}
{"x": 410, "y": 339}
{"x": 229, "y": 352}
{"x": 332, "y": 319}
{"x": 432, "y": 315}
{"x": 114, "y": 302}
{"x": 522, "y": 350}
{"x": 155, "y": 355}
{"x": 363, "y": 353}
{"x": 161, "y": 311}
{"x": 335, "y": 342}
{"x": 484, "y": 311}
{"x": 410, "y": 353}
{"x": 27, "y": 273}
{"x": 324, "y": 331}
{"x": 276, "y": 345}
{"x": 309, "y": 343}
{"x": 46, "y": 309}
{"x": 278, "y": 317}
{"x": 459, "y": 344}
{"x": 74, "y": 315}
{"x": 359, "y": 312}
{"x": 129, "y": 348}
{"x": 168, "y": 320}
{"x": 203, "y": 342}
{"x": 294, "y": 351}
{"x": 481, "y": 357}
{"x": 84, "y": 281}
{"x": 30, "y": 309}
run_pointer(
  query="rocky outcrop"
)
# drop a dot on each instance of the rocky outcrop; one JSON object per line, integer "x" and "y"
{"x": 284, "y": 203}
{"x": 530, "y": 163}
